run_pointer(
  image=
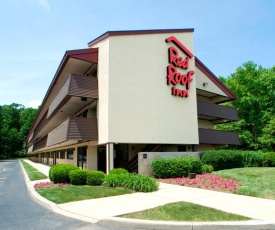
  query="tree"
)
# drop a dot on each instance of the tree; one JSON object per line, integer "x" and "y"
{"x": 254, "y": 87}
{"x": 15, "y": 121}
{"x": 268, "y": 137}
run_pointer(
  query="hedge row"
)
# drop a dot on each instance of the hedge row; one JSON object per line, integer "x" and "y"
{"x": 65, "y": 173}
{"x": 227, "y": 159}
{"x": 175, "y": 167}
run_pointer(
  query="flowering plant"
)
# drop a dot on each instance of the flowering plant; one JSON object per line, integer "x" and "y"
{"x": 207, "y": 181}
{"x": 49, "y": 185}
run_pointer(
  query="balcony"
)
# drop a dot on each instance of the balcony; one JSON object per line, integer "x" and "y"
{"x": 83, "y": 87}
{"x": 217, "y": 137}
{"x": 74, "y": 129}
{"x": 216, "y": 113}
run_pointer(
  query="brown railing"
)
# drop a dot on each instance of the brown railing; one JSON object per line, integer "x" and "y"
{"x": 216, "y": 112}
{"x": 75, "y": 85}
{"x": 40, "y": 144}
{"x": 74, "y": 128}
{"x": 217, "y": 137}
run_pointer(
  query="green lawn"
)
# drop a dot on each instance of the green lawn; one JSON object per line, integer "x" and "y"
{"x": 257, "y": 181}
{"x": 69, "y": 193}
{"x": 183, "y": 211}
{"x": 32, "y": 172}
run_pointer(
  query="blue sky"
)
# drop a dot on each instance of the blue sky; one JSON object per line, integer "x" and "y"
{"x": 36, "y": 33}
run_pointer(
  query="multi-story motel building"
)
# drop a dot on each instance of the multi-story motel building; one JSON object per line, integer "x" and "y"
{"x": 130, "y": 92}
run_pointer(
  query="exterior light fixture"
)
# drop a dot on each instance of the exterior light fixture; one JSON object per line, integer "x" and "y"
{"x": 205, "y": 84}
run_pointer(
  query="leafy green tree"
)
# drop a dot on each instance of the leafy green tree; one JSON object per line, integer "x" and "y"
{"x": 15, "y": 121}
{"x": 254, "y": 87}
{"x": 268, "y": 137}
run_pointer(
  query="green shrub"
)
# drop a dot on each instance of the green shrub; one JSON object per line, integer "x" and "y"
{"x": 223, "y": 159}
{"x": 175, "y": 167}
{"x": 207, "y": 168}
{"x": 60, "y": 173}
{"x": 140, "y": 183}
{"x": 252, "y": 159}
{"x": 51, "y": 171}
{"x": 195, "y": 165}
{"x": 95, "y": 177}
{"x": 269, "y": 159}
{"x": 78, "y": 177}
{"x": 118, "y": 171}
{"x": 115, "y": 180}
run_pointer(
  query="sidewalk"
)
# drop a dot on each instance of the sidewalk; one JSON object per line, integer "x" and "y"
{"x": 105, "y": 210}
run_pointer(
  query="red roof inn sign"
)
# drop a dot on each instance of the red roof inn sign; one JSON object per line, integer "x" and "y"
{"x": 176, "y": 61}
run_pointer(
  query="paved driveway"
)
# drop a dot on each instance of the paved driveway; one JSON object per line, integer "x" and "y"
{"x": 19, "y": 211}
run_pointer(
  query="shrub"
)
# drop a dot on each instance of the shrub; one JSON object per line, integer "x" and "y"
{"x": 95, "y": 177}
{"x": 252, "y": 159}
{"x": 269, "y": 159}
{"x": 51, "y": 171}
{"x": 115, "y": 180}
{"x": 175, "y": 167}
{"x": 60, "y": 173}
{"x": 195, "y": 165}
{"x": 207, "y": 168}
{"x": 78, "y": 177}
{"x": 140, "y": 183}
{"x": 118, "y": 171}
{"x": 223, "y": 159}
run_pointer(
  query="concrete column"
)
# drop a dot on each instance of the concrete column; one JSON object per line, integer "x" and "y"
{"x": 109, "y": 157}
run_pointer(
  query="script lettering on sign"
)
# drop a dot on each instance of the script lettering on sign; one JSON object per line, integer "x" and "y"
{"x": 176, "y": 62}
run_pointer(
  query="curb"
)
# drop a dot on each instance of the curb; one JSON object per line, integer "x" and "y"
{"x": 48, "y": 204}
{"x": 174, "y": 225}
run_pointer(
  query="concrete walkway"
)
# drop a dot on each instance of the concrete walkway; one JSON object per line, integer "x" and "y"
{"x": 105, "y": 209}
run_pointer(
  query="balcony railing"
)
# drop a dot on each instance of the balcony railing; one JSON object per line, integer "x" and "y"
{"x": 215, "y": 112}
{"x": 74, "y": 128}
{"x": 217, "y": 137}
{"x": 77, "y": 86}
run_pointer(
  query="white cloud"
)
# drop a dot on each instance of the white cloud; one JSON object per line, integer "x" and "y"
{"x": 35, "y": 103}
{"x": 44, "y": 4}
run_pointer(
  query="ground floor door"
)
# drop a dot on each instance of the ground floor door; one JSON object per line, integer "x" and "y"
{"x": 101, "y": 158}
{"x": 82, "y": 157}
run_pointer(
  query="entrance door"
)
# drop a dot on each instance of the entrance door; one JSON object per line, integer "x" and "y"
{"x": 101, "y": 158}
{"x": 82, "y": 157}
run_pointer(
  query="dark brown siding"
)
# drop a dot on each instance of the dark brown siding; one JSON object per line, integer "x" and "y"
{"x": 41, "y": 125}
{"x": 40, "y": 144}
{"x": 209, "y": 136}
{"x": 82, "y": 129}
{"x": 77, "y": 86}
{"x": 74, "y": 128}
{"x": 216, "y": 111}
{"x": 82, "y": 86}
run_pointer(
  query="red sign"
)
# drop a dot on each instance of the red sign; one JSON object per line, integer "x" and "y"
{"x": 176, "y": 61}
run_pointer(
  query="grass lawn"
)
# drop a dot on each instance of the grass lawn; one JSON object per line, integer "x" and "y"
{"x": 68, "y": 193}
{"x": 183, "y": 211}
{"x": 257, "y": 181}
{"x": 32, "y": 172}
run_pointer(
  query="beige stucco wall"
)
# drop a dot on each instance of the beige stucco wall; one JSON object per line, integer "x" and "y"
{"x": 103, "y": 92}
{"x": 205, "y": 124}
{"x": 211, "y": 87}
{"x": 135, "y": 103}
{"x": 92, "y": 157}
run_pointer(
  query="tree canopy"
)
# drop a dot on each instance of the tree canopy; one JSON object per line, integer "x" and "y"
{"x": 15, "y": 121}
{"x": 254, "y": 87}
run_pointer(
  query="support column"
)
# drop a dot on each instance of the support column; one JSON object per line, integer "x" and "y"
{"x": 109, "y": 157}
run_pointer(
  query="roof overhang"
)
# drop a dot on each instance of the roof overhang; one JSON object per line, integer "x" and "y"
{"x": 216, "y": 98}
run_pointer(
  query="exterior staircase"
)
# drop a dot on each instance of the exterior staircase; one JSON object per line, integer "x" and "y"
{"x": 133, "y": 163}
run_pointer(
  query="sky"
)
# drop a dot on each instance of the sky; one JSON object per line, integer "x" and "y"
{"x": 35, "y": 34}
